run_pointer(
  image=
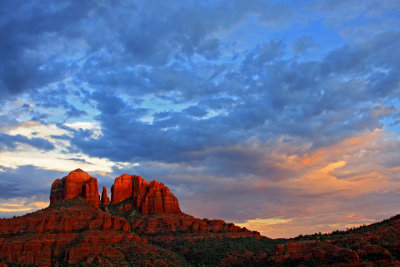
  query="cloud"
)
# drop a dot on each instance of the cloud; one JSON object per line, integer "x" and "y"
{"x": 25, "y": 33}
{"x": 303, "y": 43}
{"x": 26, "y": 181}
{"x": 195, "y": 111}
{"x": 10, "y": 142}
{"x": 261, "y": 99}
{"x": 343, "y": 178}
{"x": 21, "y": 205}
{"x": 290, "y": 182}
{"x": 321, "y": 102}
{"x": 356, "y": 19}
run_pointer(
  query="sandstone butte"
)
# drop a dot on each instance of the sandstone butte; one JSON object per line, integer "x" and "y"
{"x": 147, "y": 198}
{"x": 76, "y": 183}
{"x": 143, "y": 225}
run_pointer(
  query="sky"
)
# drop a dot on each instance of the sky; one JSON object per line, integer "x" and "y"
{"x": 280, "y": 116}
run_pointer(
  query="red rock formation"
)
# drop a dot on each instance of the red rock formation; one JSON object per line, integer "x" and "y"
{"x": 147, "y": 198}
{"x": 159, "y": 199}
{"x": 76, "y": 183}
{"x": 70, "y": 234}
{"x": 122, "y": 188}
{"x": 169, "y": 223}
{"x": 73, "y": 231}
{"x": 105, "y": 200}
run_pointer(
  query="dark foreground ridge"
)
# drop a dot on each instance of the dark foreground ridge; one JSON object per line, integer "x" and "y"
{"x": 142, "y": 225}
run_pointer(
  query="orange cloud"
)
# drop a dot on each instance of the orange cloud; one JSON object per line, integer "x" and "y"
{"x": 334, "y": 184}
{"x": 21, "y": 204}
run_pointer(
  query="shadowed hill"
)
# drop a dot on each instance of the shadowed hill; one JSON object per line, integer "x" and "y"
{"x": 376, "y": 244}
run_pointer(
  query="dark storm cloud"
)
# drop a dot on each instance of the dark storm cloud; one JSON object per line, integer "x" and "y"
{"x": 263, "y": 54}
{"x": 74, "y": 112}
{"x": 26, "y": 181}
{"x": 112, "y": 38}
{"x": 299, "y": 99}
{"x": 195, "y": 111}
{"x": 303, "y": 43}
{"x": 24, "y": 28}
{"x": 9, "y": 142}
{"x": 124, "y": 53}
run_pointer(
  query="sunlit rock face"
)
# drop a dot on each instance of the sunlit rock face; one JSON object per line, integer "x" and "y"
{"x": 76, "y": 183}
{"x": 146, "y": 197}
{"x": 128, "y": 186}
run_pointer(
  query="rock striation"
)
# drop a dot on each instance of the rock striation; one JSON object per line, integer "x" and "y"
{"x": 147, "y": 198}
{"x": 76, "y": 183}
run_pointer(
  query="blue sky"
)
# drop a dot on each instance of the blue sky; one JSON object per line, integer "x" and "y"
{"x": 282, "y": 116}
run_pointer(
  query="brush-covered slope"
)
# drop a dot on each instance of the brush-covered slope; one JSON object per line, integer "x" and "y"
{"x": 373, "y": 245}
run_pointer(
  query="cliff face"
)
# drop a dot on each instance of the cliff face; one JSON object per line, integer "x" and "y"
{"x": 76, "y": 183}
{"x": 128, "y": 186}
{"x": 146, "y": 197}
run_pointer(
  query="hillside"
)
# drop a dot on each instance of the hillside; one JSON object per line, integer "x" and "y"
{"x": 377, "y": 244}
{"x": 143, "y": 225}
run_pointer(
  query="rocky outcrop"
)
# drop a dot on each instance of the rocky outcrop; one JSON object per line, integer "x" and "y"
{"x": 73, "y": 232}
{"x": 76, "y": 183}
{"x": 128, "y": 186}
{"x": 148, "y": 198}
{"x": 159, "y": 199}
{"x": 61, "y": 219}
{"x": 145, "y": 227}
{"x": 105, "y": 200}
{"x": 170, "y": 223}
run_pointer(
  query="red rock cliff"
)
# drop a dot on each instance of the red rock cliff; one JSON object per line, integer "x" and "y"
{"x": 147, "y": 198}
{"x": 76, "y": 183}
